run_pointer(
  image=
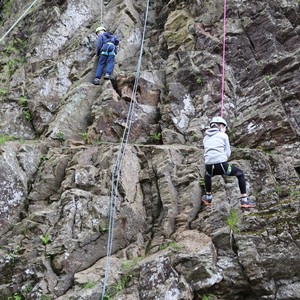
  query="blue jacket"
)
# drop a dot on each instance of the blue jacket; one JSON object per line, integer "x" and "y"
{"x": 103, "y": 39}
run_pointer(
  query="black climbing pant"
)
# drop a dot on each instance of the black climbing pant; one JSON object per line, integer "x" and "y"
{"x": 224, "y": 169}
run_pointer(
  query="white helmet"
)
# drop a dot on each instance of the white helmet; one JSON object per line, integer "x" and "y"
{"x": 217, "y": 120}
{"x": 100, "y": 28}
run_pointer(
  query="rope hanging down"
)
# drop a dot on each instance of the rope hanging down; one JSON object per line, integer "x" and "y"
{"x": 11, "y": 28}
{"x": 101, "y": 16}
{"x": 223, "y": 61}
{"x": 120, "y": 157}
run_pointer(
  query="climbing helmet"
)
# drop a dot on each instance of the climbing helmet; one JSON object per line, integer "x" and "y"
{"x": 100, "y": 28}
{"x": 218, "y": 120}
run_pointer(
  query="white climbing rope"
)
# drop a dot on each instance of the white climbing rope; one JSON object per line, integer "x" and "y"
{"x": 101, "y": 15}
{"x": 22, "y": 16}
{"x": 120, "y": 157}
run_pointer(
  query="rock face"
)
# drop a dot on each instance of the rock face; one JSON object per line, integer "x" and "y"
{"x": 61, "y": 138}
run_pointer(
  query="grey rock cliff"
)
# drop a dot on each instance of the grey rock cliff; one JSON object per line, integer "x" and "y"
{"x": 60, "y": 137}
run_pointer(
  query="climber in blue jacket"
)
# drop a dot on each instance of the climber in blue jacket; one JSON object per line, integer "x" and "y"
{"x": 106, "y": 50}
{"x": 216, "y": 153}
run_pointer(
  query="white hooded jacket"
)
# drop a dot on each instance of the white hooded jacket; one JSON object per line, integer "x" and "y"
{"x": 216, "y": 146}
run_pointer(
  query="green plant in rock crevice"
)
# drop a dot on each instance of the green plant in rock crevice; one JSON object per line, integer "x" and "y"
{"x": 127, "y": 267}
{"x": 45, "y": 238}
{"x": 16, "y": 296}
{"x": 195, "y": 137}
{"x": 85, "y": 137}
{"x": 14, "y": 47}
{"x": 202, "y": 183}
{"x": 268, "y": 77}
{"x": 46, "y": 297}
{"x": 103, "y": 228}
{"x": 27, "y": 288}
{"x": 172, "y": 245}
{"x": 8, "y": 6}
{"x": 4, "y": 138}
{"x": 118, "y": 287}
{"x": 24, "y": 103}
{"x": 200, "y": 80}
{"x": 3, "y": 91}
{"x": 10, "y": 67}
{"x": 156, "y": 137}
{"x": 294, "y": 192}
{"x": 60, "y": 136}
{"x": 13, "y": 55}
{"x": 89, "y": 285}
{"x": 232, "y": 220}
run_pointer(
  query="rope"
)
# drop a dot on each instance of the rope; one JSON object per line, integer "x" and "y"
{"x": 101, "y": 16}
{"x": 120, "y": 157}
{"x": 223, "y": 60}
{"x": 11, "y": 28}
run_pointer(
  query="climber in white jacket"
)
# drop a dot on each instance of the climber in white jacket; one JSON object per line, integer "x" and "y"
{"x": 216, "y": 154}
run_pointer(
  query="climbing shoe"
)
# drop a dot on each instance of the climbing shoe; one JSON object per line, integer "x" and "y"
{"x": 96, "y": 81}
{"x": 106, "y": 76}
{"x": 207, "y": 199}
{"x": 247, "y": 203}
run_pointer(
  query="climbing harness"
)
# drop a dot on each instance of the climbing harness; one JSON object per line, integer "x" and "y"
{"x": 108, "y": 49}
{"x": 11, "y": 28}
{"x": 223, "y": 61}
{"x": 120, "y": 157}
{"x": 229, "y": 169}
{"x": 226, "y": 172}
